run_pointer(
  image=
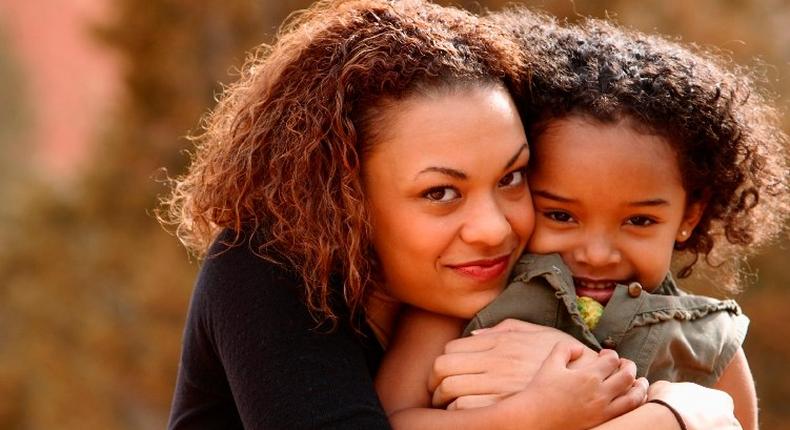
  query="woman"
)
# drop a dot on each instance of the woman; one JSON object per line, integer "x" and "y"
{"x": 311, "y": 249}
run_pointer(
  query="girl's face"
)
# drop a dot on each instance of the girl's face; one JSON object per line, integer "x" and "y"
{"x": 446, "y": 187}
{"x": 610, "y": 201}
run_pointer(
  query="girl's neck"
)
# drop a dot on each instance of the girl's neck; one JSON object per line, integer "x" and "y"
{"x": 382, "y": 311}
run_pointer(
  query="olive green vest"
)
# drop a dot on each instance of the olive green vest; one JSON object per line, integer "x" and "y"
{"x": 669, "y": 334}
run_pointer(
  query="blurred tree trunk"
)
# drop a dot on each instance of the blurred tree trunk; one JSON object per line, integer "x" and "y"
{"x": 94, "y": 292}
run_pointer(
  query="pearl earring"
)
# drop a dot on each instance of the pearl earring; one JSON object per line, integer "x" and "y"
{"x": 684, "y": 233}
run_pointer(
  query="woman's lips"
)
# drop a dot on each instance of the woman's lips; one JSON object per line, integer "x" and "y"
{"x": 600, "y": 290}
{"x": 483, "y": 270}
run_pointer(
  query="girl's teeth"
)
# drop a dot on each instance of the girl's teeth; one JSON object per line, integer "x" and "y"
{"x": 597, "y": 285}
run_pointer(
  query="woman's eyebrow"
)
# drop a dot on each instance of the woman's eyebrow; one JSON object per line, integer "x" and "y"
{"x": 461, "y": 175}
{"x": 443, "y": 170}
{"x": 513, "y": 159}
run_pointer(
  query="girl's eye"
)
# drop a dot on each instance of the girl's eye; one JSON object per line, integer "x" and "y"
{"x": 640, "y": 221}
{"x": 559, "y": 216}
{"x": 514, "y": 178}
{"x": 441, "y": 194}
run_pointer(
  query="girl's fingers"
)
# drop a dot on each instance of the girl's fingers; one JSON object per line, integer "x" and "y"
{"x": 511, "y": 324}
{"x": 563, "y": 353}
{"x": 472, "y": 385}
{"x": 459, "y": 363}
{"x": 512, "y": 356}
{"x": 453, "y": 387}
{"x": 630, "y": 400}
{"x": 622, "y": 380}
{"x": 607, "y": 364}
{"x": 629, "y": 365}
{"x": 481, "y": 342}
{"x": 493, "y": 383}
{"x": 474, "y": 401}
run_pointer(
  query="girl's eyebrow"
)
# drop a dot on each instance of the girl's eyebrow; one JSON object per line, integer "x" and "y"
{"x": 650, "y": 202}
{"x": 558, "y": 198}
{"x": 551, "y": 196}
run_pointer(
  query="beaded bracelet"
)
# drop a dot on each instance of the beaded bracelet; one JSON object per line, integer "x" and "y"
{"x": 674, "y": 412}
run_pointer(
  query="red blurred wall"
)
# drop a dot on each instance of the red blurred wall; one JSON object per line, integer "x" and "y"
{"x": 70, "y": 79}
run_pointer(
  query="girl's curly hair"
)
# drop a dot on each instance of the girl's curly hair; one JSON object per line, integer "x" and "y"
{"x": 281, "y": 153}
{"x": 731, "y": 152}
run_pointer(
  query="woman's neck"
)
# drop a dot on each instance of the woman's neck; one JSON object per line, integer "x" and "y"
{"x": 382, "y": 311}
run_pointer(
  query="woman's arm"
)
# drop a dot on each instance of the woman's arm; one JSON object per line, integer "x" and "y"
{"x": 401, "y": 381}
{"x": 649, "y": 415}
{"x": 592, "y": 390}
{"x": 253, "y": 356}
{"x": 700, "y": 408}
{"x": 738, "y": 382}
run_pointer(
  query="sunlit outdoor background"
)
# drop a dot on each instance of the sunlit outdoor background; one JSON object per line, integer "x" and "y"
{"x": 97, "y": 95}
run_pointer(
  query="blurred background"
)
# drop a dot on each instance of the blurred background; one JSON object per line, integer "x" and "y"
{"x": 97, "y": 95}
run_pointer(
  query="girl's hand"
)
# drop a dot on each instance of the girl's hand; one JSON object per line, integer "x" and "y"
{"x": 582, "y": 397}
{"x": 494, "y": 363}
{"x": 701, "y": 408}
{"x": 592, "y": 393}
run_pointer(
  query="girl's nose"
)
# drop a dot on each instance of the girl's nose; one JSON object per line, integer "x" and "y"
{"x": 597, "y": 250}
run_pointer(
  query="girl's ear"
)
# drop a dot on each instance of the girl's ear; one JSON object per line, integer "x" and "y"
{"x": 691, "y": 218}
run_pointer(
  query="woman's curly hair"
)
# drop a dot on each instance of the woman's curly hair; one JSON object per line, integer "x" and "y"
{"x": 281, "y": 153}
{"x": 731, "y": 151}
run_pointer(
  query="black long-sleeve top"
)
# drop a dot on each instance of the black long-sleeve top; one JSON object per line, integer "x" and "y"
{"x": 254, "y": 358}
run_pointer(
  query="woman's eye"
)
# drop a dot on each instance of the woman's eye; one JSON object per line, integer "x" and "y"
{"x": 640, "y": 221}
{"x": 513, "y": 179}
{"x": 441, "y": 194}
{"x": 559, "y": 216}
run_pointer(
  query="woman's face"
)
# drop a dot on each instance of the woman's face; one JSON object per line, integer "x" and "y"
{"x": 445, "y": 183}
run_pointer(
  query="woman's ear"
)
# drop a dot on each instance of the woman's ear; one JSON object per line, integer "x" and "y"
{"x": 691, "y": 218}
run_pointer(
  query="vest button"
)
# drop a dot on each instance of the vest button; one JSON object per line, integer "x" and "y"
{"x": 609, "y": 343}
{"x": 634, "y": 289}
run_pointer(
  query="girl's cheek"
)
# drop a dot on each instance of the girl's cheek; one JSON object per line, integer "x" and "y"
{"x": 545, "y": 242}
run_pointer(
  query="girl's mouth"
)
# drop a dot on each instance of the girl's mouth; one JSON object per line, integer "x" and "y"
{"x": 600, "y": 290}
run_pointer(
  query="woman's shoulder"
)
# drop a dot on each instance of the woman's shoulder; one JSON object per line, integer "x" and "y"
{"x": 239, "y": 291}
{"x": 250, "y": 341}
{"x": 236, "y": 272}
{"x": 243, "y": 256}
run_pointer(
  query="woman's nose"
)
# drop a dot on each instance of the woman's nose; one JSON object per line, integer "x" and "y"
{"x": 486, "y": 224}
{"x": 597, "y": 250}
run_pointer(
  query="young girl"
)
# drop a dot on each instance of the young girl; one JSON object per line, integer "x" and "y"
{"x": 640, "y": 149}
